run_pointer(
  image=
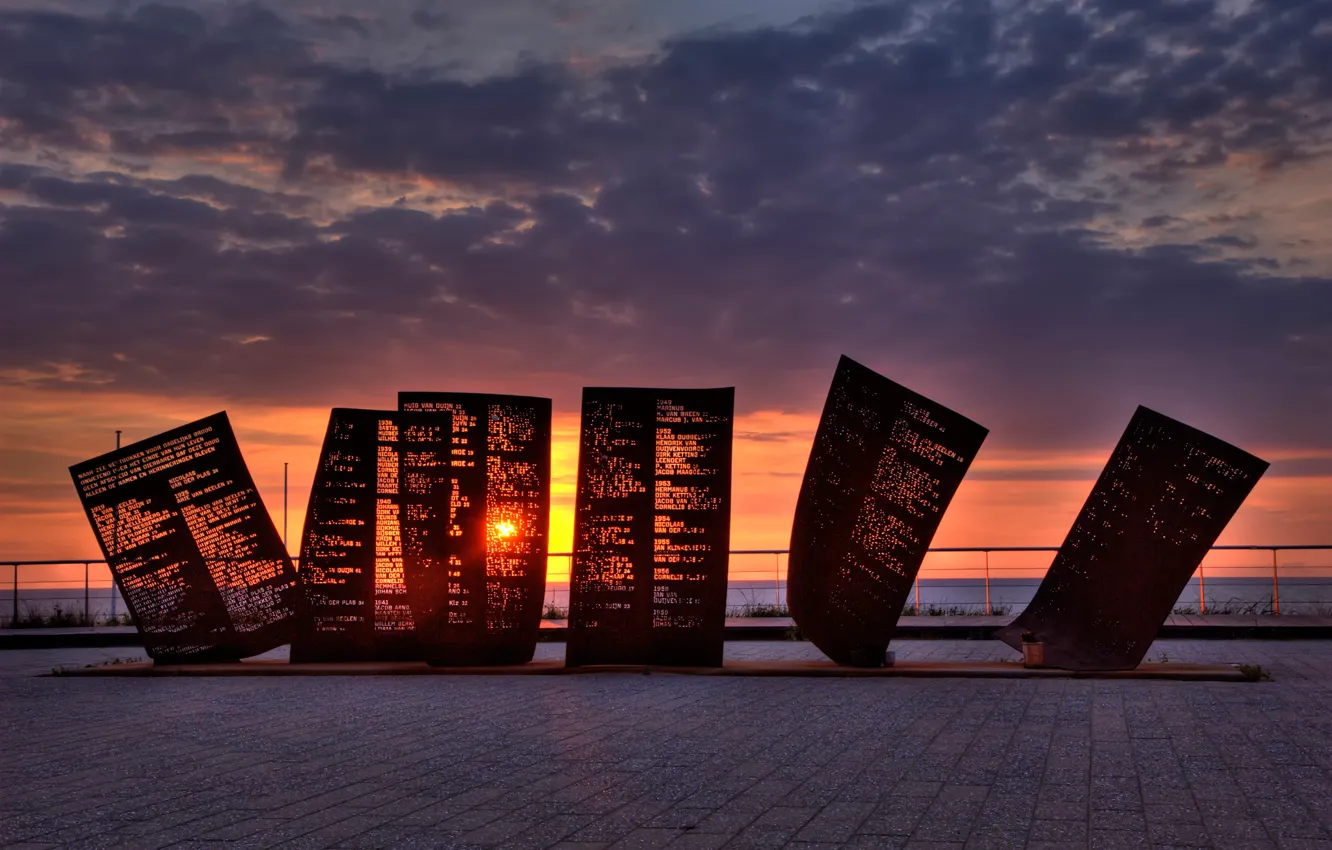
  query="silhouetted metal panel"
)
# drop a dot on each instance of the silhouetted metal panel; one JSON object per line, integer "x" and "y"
{"x": 1160, "y": 503}
{"x": 884, "y": 466}
{"x": 190, "y": 544}
{"x": 476, "y": 517}
{"x": 652, "y": 527}
{"x": 355, "y": 581}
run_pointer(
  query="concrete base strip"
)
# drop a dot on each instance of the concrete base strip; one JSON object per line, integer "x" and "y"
{"x": 799, "y": 669}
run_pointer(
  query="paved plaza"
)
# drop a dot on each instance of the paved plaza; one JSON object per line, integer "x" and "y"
{"x": 646, "y": 761}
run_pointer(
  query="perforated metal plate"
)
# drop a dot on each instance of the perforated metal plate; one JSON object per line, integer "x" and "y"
{"x": 652, "y": 527}
{"x": 885, "y": 464}
{"x": 475, "y": 526}
{"x": 1164, "y": 497}
{"x": 190, "y": 544}
{"x": 356, "y": 585}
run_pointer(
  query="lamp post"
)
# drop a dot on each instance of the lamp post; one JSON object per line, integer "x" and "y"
{"x": 115, "y": 533}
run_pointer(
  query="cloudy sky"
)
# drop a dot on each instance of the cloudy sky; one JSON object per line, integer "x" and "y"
{"x": 1039, "y": 213}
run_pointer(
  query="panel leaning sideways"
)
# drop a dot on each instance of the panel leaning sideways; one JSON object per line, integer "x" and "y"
{"x": 190, "y": 544}
{"x": 1162, "y": 500}
{"x": 885, "y": 464}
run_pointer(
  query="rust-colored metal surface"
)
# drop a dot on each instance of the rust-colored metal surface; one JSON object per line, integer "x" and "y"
{"x": 884, "y": 466}
{"x": 1164, "y": 497}
{"x": 652, "y": 527}
{"x": 356, "y": 585}
{"x": 475, "y": 524}
{"x": 190, "y": 544}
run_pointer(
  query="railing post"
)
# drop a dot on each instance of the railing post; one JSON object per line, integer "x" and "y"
{"x": 14, "y": 622}
{"x": 1202, "y": 593}
{"x": 1276, "y": 591}
{"x": 987, "y": 582}
{"x": 917, "y": 594}
{"x": 568, "y": 589}
{"x": 114, "y": 618}
{"x": 776, "y": 580}
{"x": 87, "y": 603}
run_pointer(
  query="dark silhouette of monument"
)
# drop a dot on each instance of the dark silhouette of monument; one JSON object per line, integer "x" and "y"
{"x": 651, "y": 527}
{"x": 1165, "y": 495}
{"x": 476, "y": 512}
{"x": 426, "y": 531}
{"x": 352, "y": 571}
{"x": 190, "y": 544}
{"x": 884, "y": 466}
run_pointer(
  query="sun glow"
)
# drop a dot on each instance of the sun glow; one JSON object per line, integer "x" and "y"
{"x": 505, "y": 529}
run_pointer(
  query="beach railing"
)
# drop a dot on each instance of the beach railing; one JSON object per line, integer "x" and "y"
{"x": 1252, "y": 579}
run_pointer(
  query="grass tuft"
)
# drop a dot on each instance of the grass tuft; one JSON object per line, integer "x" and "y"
{"x": 57, "y": 617}
{"x": 758, "y": 609}
{"x": 931, "y": 610}
{"x": 1259, "y": 608}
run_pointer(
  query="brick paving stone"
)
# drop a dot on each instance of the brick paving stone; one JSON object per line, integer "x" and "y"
{"x": 699, "y": 841}
{"x": 896, "y": 816}
{"x": 759, "y": 838}
{"x": 1064, "y": 832}
{"x": 835, "y": 823}
{"x": 1113, "y": 839}
{"x": 785, "y": 817}
{"x": 1112, "y": 820}
{"x": 725, "y": 822}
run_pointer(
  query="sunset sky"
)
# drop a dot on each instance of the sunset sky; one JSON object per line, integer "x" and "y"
{"x": 1039, "y": 214}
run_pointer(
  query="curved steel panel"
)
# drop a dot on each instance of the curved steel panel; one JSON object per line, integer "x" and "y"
{"x": 884, "y": 465}
{"x": 190, "y": 544}
{"x": 1165, "y": 495}
{"x": 356, "y": 588}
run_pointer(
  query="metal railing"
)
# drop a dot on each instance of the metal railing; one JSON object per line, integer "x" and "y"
{"x": 759, "y": 586}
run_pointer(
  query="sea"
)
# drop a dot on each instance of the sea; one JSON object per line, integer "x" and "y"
{"x": 952, "y": 596}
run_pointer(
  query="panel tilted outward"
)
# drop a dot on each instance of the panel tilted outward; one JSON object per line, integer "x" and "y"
{"x": 885, "y": 464}
{"x": 356, "y": 588}
{"x": 1164, "y": 497}
{"x": 652, "y": 527}
{"x": 475, "y": 525}
{"x": 190, "y": 544}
